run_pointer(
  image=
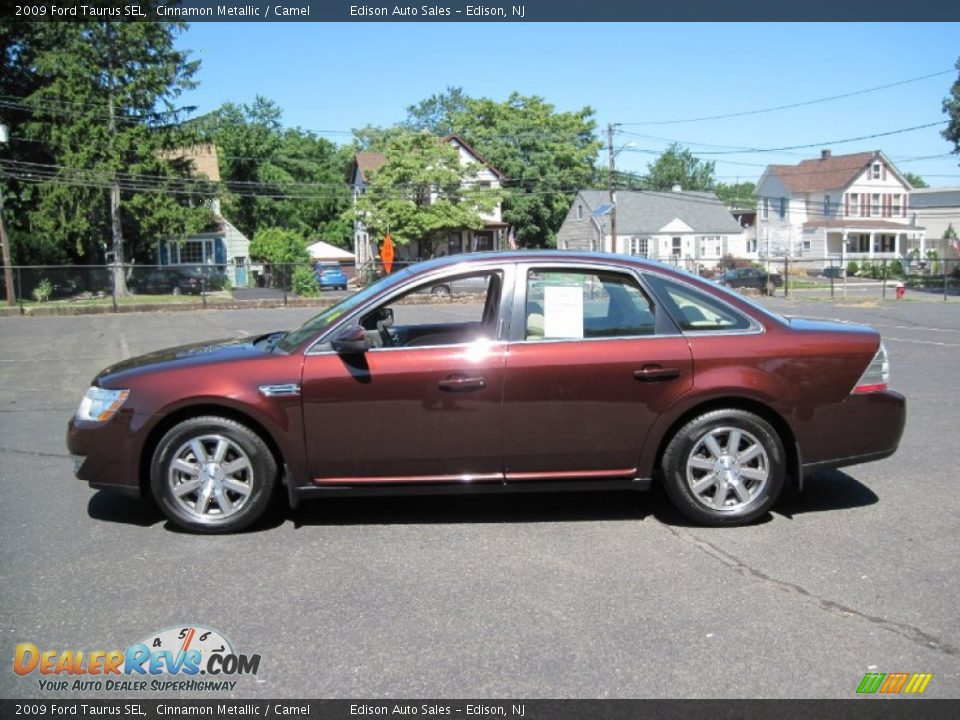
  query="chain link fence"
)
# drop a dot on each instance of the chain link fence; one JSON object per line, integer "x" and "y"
{"x": 228, "y": 284}
{"x": 931, "y": 277}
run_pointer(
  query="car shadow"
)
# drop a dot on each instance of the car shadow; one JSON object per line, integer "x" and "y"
{"x": 823, "y": 491}
{"x": 456, "y": 509}
{"x": 121, "y": 508}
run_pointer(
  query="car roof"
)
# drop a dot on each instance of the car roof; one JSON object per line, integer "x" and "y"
{"x": 467, "y": 260}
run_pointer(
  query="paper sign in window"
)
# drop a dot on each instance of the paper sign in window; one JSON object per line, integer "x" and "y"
{"x": 563, "y": 311}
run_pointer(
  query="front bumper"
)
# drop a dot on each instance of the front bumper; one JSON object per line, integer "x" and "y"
{"x": 105, "y": 455}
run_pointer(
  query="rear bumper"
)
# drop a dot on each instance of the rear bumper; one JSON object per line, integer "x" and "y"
{"x": 861, "y": 428}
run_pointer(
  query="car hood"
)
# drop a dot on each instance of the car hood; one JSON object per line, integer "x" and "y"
{"x": 183, "y": 356}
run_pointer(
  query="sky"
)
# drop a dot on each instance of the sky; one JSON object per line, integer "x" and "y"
{"x": 332, "y": 77}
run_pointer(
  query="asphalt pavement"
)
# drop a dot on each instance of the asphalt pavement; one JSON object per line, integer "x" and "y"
{"x": 583, "y": 595}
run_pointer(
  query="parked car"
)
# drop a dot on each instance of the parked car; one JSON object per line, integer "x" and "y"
{"x": 750, "y": 277}
{"x": 572, "y": 371}
{"x": 175, "y": 280}
{"x": 331, "y": 276}
{"x": 462, "y": 286}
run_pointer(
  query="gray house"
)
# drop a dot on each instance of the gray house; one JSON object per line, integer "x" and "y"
{"x": 689, "y": 228}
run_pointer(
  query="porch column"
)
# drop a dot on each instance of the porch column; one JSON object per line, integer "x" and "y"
{"x": 896, "y": 244}
{"x": 870, "y": 247}
{"x": 923, "y": 245}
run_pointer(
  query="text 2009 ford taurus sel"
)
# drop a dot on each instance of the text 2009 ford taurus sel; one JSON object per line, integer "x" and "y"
{"x": 566, "y": 371}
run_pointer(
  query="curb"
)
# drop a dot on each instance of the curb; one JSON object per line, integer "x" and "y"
{"x": 70, "y": 310}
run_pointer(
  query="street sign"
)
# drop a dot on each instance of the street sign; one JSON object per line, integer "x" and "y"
{"x": 386, "y": 254}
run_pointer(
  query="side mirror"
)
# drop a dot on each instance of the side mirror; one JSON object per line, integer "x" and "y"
{"x": 352, "y": 340}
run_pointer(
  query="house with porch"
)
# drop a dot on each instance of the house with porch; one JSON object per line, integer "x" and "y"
{"x": 491, "y": 237}
{"x": 836, "y": 208}
{"x": 690, "y": 229}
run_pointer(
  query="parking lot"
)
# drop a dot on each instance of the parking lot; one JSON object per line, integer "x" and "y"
{"x": 581, "y": 595}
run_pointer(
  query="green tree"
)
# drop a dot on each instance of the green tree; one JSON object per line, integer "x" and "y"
{"x": 422, "y": 189}
{"x": 102, "y": 107}
{"x": 678, "y": 166}
{"x": 737, "y": 195}
{"x": 277, "y": 177}
{"x": 436, "y": 114}
{"x": 545, "y": 155}
{"x": 283, "y": 250}
{"x": 951, "y": 106}
{"x": 915, "y": 180}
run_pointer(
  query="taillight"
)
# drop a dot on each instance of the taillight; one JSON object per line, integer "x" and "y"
{"x": 877, "y": 374}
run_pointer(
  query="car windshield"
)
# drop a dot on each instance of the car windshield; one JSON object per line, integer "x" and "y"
{"x": 329, "y": 316}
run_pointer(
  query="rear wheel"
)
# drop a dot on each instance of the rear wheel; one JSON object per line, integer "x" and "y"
{"x": 212, "y": 475}
{"x": 725, "y": 467}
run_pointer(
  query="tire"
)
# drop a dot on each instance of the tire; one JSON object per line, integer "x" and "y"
{"x": 176, "y": 290}
{"x": 233, "y": 499}
{"x": 751, "y": 479}
{"x": 440, "y": 291}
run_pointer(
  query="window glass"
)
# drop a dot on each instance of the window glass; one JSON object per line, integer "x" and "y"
{"x": 584, "y": 304}
{"x": 696, "y": 311}
{"x": 452, "y": 311}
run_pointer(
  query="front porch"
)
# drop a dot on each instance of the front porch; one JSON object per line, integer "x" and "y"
{"x": 873, "y": 245}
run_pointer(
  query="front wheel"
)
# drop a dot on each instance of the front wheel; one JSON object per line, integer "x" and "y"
{"x": 725, "y": 467}
{"x": 441, "y": 291}
{"x": 212, "y": 475}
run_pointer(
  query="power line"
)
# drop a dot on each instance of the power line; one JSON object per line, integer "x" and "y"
{"x": 792, "y": 105}
{"x": 811, "y": 145}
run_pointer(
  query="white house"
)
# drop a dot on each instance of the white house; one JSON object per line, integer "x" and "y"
{"x": 689, "y": 228}
{"x": 835, "y": 208}
{"x": 937, "y": 209}
{"x": 491, "y": 237}
{"x": 222, "y": 245}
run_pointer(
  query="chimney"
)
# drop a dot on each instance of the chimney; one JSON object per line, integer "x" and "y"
{"x": 676, "y": 188}
{"x": 824, "y": 154}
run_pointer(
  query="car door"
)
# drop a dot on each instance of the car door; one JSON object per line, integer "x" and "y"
{"x": 424, "y": 406}
{"x": 592, "y": 363}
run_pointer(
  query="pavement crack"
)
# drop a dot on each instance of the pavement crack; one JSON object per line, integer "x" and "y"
{"x": 911, "y": 633}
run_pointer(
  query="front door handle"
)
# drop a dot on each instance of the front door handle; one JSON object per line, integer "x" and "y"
{"x": 461, "y": 383}
{"x": 653, "y": 373}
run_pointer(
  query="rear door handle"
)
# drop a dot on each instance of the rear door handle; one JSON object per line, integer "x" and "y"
{"x": 461, "y": 383}
{"x": 653, "y": 373}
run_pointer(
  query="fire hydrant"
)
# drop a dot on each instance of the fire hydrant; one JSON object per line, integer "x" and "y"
{"x": 900, "y": 290}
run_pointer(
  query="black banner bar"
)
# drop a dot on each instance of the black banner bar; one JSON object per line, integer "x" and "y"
{"x": 486, "y": 12}
{"x": 856, "y": 709}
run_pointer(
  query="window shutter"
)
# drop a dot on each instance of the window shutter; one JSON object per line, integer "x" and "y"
{"x": 846, "y": 204}
{"x": 884, "y": 172}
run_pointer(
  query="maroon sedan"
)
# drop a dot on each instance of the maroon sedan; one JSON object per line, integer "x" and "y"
{"x": 559, "y": 371}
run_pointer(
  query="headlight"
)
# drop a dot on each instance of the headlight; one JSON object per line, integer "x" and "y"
{"x": 99, "y": 404}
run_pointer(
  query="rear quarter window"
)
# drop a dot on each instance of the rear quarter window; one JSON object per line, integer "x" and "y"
{"x": 697, "y": 311}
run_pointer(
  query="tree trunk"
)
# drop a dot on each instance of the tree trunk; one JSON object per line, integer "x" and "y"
{"x": 7, "y": 268}
{"x": 119, "y": 277}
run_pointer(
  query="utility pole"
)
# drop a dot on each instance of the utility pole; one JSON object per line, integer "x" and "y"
{"x": 613, "y": 198}
{"x": 5, "y": 240}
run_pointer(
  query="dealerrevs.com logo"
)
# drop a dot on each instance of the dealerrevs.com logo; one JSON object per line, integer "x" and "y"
{"x": 894, "y": 683}
{"x": 166, "y": 661}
